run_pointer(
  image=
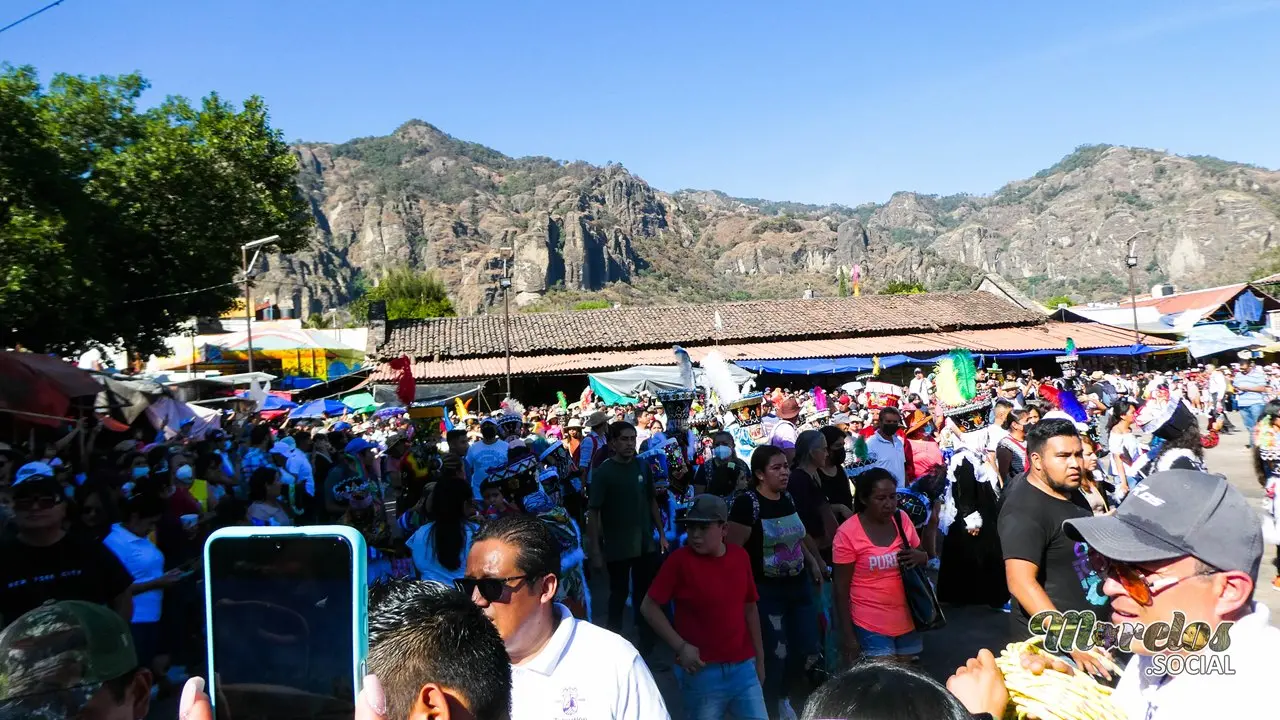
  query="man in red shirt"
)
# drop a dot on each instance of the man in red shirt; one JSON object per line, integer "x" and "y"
{"x": 716, "y": 637}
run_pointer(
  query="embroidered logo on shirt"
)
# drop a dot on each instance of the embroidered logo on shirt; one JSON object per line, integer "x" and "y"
{"x": 569, "y": 701}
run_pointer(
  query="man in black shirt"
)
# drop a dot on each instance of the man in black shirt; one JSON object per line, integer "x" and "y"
{"x": 1045, "y": 569}
{"x": 45, "y": 562}
{"x": 724, "y": 475}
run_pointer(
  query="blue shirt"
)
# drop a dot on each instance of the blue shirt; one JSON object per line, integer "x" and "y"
{"x": 1256, "y": 378}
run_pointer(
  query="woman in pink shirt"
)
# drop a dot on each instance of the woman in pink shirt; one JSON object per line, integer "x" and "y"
{"x": 871, "y": 604}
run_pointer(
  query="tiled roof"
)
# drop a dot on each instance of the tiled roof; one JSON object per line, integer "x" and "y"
{"x": 657, "y": 327}
{"x": 1047, "y": 336}
{"x": 1209, "y": 299}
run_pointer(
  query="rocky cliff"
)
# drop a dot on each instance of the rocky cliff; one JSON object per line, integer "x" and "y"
{"x": 573, "y": 231}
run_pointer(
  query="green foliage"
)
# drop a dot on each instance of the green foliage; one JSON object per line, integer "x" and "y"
{"x": 592, "y": 305}
{"x": 409, "y": 294}
{"x": 318, "y": 321}
{"x": 908, "y": 236}
{"x": 1053, "y": 302}
{"x": 782, "y": 223}
{"x": 1217, "y": 166}
{"x": 902, "y": 287}
{"x": 1012, "y": 194}
{"x": 1134, "y": 199}
{"x": 784, "y": 207}
{"x": 104, "y": 206}
{"x": 843, "y": 283}
{"x": 1082, "y": 157}
{"x": 379, "y": 152}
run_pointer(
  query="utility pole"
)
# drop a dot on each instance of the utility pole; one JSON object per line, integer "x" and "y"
{"x": 505, "y": 284}
{"x": 1131, "y": 262}
{"x": 248, "y": 300}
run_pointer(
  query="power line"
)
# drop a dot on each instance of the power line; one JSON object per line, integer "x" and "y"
{"x": 21, "y": 20}
{"x": 176, "y": 294}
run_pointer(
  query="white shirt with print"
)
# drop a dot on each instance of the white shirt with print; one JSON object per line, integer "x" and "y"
{"x": 585, "y": 672}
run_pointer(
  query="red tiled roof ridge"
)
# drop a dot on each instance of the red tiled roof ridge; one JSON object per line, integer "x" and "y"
{"x": 634, "y": 327}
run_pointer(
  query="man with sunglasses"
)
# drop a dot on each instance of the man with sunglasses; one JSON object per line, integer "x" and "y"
{"x": 44, "y": 561}
{"x": 560, "y": 666}
{"x": 1186, "y": 542}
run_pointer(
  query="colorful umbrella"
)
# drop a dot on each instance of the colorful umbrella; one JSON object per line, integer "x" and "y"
{"x": 318, "y": 409}
{"x": 360, "y": 402}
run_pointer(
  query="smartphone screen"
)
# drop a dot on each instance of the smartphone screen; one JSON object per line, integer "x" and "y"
{"x": 282, "y": 626}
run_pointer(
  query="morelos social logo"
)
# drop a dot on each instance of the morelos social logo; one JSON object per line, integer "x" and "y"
{"x": 1072, "y": 630}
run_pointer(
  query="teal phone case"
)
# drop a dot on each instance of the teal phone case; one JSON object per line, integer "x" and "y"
{"x": 359, "y": 589}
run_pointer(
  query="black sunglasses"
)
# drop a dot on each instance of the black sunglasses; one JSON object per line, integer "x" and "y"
{"x": 36, "y": 502}
{"x": 491, "y": 589}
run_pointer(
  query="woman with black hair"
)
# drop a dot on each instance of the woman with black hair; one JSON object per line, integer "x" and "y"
{"x": 441, "y": 545}
{"x": 885, "y": 691}
{"x": 1266, "y": 456}
{"x": 835, "y": 481}
{"x": 1122, "y": 443}
{"x": 870, "y": 599}
{"x": 265, "y": 507}
{"x": 765, "y": 523}
{"x": 95, "y": 508}
{"x": 1011, "y": 451}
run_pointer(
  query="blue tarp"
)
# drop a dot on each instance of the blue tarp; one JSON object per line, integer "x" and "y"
{"x": 272, "y": 402}
{"x": 1206, "y": 340}
{"x": 319, "y": 409}
{"x": 1248, "y": 308}
{"x": 828, "y": 366}
{"x": 836, "y": 366}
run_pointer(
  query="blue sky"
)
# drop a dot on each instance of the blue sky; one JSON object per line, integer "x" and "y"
{"x": 818, "y": 102}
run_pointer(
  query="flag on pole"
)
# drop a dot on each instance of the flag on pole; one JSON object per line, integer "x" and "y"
{"x": 857, "y": 281}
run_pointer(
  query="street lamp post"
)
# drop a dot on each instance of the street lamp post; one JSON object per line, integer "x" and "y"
{"x": 1131, "y": 262}
{"x": 505, "y": 284}
{"x": 256, "y": 246}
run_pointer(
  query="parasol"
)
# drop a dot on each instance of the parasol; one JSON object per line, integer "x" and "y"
{"x": 41, "y": 385}
{"x": 360, "y": 402}
{"x": 318, "y": 409}
{"x": 387, "y": 412}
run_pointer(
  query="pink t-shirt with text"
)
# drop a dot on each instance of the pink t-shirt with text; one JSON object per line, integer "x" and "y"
{"x": 876, "y": 594}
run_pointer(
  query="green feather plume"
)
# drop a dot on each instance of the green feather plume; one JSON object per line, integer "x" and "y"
{"x": 966, "y": 373}
{"x": 564, "y": 401}
{"x": 860, "y": 448}
{"x": 1071, "y": 346}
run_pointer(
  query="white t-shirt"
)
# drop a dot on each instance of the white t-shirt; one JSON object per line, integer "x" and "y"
{"x": 1254, "y": 653}
{"x": 144, "y": 562}
{"x": 920, "y": 386}
{"x": 995, "y": 434}
{"x": 1123, "y": 443}
{"x": 423, "y": 546}
{"x": 890, "y": 455}
{"x": 482, "y": 458}
{"x": 584, "y": 672}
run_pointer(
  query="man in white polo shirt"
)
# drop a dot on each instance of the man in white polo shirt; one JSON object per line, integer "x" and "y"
{"x": 560, "y": 666}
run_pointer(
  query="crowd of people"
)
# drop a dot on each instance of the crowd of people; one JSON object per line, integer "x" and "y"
{"x": 763, "y": 541}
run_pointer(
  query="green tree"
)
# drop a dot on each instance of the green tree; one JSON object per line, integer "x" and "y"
{"x": 902, "y": 287}
{"x": 592, "y": 305}
{"x": 318, "y": 321}
{"x": 1053, "y": 302}
{"x": 843, "y": 282}
{"x": 410, "y": 295}
{"x": 117, "y": 223}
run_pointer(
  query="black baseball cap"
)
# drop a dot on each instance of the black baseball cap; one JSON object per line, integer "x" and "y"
{"x": 707, "y": 508}
{"x": 1174, "y": 514}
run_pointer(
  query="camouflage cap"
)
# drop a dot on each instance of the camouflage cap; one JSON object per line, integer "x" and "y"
{"x": 54, "y": 658}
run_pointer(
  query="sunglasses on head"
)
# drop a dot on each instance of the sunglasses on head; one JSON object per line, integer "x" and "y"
{"x": 491, "y": 589}
{"x": 36, "y": 502}
{"x": 1135, "y": 582}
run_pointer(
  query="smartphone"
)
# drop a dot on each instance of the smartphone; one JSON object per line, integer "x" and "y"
{"x": 286, "y": 618}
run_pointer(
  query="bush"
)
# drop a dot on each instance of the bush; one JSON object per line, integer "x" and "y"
{"x": 592, "y": 305}
{"x": 901, "y": 287}
{"x": 1082, "y": 156}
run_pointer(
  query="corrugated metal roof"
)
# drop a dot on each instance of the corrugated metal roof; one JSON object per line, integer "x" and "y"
{"x": 1046, "y": 336}
{"x": 1209, "y": 299}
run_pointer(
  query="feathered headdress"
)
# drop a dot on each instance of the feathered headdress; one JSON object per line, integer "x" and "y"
{"x": 564, "y": 401}
{"x": 717, "y": 379}
{"x": 819, "y": 399}
{"x": 955, "y": 378}
{"x": 513, "y": 406}
{"x": 1066, "y": 401}
{"x": 460, "y": 408}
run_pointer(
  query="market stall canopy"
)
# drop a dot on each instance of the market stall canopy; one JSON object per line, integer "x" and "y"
{"x": 360, "y": 402}
{"x": 126, "y": 398}
{"x": 271, "y": 402}
{"x": 427, "y": 394}
{"x": 318, "y": 409}
{"x": 622, "y": 386}
{"x": 32, "y": 385}
{"x": 1206, "y": 340}
{"x": 169, "y": 416}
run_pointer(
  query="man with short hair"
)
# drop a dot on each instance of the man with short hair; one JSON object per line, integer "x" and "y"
{"x": 921, "y": 386}
{"x": 623, "y": 512}
{"x": 1252, "y": 390}
{"x": 457, "y": 442}
{"x": 560, "y": 666}
{"x": 435, "y": 654}
{"x": 484, "y": 456}
{"x": 43, "y": 561}
{"x": 886, "y": 448}
{"x": 1045, "y": 569}
{"x": 256, "y": 454}
{"x": 716, "y": 636}
{"x": 1186, "y": 542}
{"x": 72, "y": 659}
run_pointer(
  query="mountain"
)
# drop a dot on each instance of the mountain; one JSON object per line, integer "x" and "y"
{"x": 579, "y": 233}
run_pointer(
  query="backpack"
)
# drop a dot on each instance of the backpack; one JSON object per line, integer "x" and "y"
{"x": 755, "y": 503}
